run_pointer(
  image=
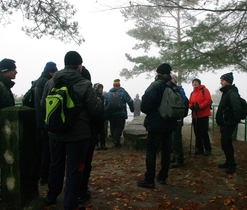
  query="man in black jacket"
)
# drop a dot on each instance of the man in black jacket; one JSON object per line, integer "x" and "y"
{"x": 43, "y": 151}
{"x": 227, "y": 117}
{"x": 7, "y": 73}
{"x": 69, "y": 148}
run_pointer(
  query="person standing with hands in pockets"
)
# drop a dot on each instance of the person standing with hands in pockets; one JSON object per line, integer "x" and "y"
{"x": 199, "y": 103}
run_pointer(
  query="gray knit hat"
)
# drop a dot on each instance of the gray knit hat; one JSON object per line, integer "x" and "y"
{"x": 227, "y": 77}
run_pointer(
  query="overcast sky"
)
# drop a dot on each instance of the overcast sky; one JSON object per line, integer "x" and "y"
{"x": 103, "y": 52}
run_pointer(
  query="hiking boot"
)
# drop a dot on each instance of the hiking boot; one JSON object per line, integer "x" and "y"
{"x": 207, "y": 153}
{"x": 160, "y": 180}
{"x": 144, "y": 183}
{"x": 103, "y": 147}
{"x": 97, "y": 147}
{"x": 118, "y": 145}
{"x": 84, "y": 198}
{"x": 50, "y": 201}
{"x": 199, "y": 152}
{"x": 177, "y": 165}
{"x": 231, "y": 169}
{"x": 223, "y": 165}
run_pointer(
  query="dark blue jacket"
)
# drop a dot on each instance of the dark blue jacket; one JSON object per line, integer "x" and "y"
{"x": 150, "y": 103}
{"x": 125, "y": 99}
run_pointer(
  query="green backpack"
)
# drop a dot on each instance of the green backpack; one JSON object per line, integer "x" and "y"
{"x": 61, "y": 112}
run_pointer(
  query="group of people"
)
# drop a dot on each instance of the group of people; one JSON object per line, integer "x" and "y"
{"x": 167, "y": 132}
{"x": 69, "y": 153}
{"x": 72, "y": 152}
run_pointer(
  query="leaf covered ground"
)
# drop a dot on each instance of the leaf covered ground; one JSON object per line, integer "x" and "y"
{"x": 199, "y": 184}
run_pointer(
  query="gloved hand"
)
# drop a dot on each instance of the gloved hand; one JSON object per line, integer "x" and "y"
{"x": 192, "y": 108}
{"x": 197, "y": 107}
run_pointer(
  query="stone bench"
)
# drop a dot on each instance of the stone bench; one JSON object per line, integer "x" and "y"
{"x": 135, "y": 134}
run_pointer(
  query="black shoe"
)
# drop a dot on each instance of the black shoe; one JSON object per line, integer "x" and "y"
{"x": 199, "y": 152}
{"x": 50, "y": 201}
{"x": 207, "y": 153}
{"x": 103, "y": 147}
{"x": 223, "y": 165}
{"x": 231, "y": 170}
{"x": 177, "y": 165}
{"x": 161, "y": 181}
{"x": 84, "y": 198}
{"x": 144, "y": 183}
{"x": 82, "y": 208}
{"x": 118, "y": 145}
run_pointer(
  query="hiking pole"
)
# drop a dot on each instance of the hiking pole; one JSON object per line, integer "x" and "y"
{"x": 191, "y": 134}
{"x": 195, "y": 131}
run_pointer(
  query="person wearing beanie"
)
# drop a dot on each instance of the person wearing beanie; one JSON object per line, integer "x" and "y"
{"x": 199, "y": 103}
{"x": 227, "y": 77}
{"x": 116, "y": 110}
{"x": 50, "y": 67}
{"x": 228, "y": 116}
{"x": 72, "y": 58}
{"x": 159, "y": 129}
{"x": 137, "y": 105}
{"x": 177, "y": 159}
{"x": 7, "y": 74}
{"x": 69, "y": 149}
{"x": 116, "y": 83}
{"x": 196, "y": 80}
{"x": 42, "y": 138}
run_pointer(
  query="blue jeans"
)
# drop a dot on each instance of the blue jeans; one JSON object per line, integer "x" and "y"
{"x": 72, "y": 155}
{"x": 154, "y": 141}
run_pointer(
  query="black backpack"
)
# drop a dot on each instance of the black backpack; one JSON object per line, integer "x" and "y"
{"x": 244, "y": 108}
{"x": 61, "y": 112}
{"x": 28, "y": 98}
{"x": 115, "y": 101}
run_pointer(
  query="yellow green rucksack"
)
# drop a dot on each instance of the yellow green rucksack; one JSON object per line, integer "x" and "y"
{"x": 61, "y": 112}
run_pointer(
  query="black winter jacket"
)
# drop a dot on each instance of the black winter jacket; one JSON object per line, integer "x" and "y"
{"x": 85, "y": 99}
{"x": 229, "y": 110}
{"x": 38, "y": 92}
{"x": 6, "y": 95}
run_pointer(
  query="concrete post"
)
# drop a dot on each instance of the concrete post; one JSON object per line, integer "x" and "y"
{"x": 18, "y": 161}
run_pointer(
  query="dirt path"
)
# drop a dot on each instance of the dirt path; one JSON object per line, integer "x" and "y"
{"x": 197, "y": 185}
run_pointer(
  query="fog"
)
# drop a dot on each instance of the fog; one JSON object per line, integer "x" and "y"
{"x": 103, "y": 53}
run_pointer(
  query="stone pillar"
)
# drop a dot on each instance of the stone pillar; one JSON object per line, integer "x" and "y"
{"x": 18, "y": 162}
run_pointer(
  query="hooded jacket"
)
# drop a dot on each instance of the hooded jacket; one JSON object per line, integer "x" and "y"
{"x": 203, "y": 99}
{"x": 229, "y": 110}
{"x": 84, "y": 98}
{"x": 6, "y": 95}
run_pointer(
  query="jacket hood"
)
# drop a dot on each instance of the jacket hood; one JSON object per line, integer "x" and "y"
{"x": 66, "y": 75}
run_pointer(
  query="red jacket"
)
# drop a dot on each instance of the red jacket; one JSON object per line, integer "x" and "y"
{"x": 203, "y": 99}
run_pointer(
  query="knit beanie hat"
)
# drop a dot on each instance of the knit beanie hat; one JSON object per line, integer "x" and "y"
{"x": 7, "y": 65}
{"x": 196, "y": 80}
{"x": 72, "y": 58}
{"x": 85, "y": 73}
{"x": 175, "y": 78}
{"x": 116, "y": 82}
{"x": 164, "y": 68}
{"x": 227, "y": 77}
{"x": 50, "y": 67}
